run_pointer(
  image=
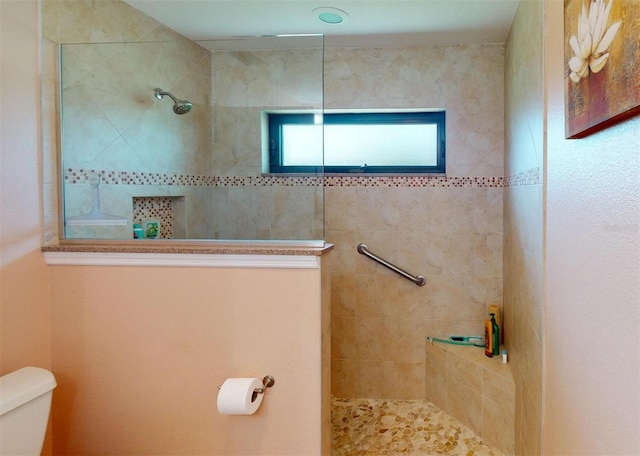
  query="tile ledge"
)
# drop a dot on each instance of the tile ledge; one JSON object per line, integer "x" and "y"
{"x": 476, "y": 356}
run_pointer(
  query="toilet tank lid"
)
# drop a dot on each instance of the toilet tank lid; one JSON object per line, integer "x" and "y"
{"x": 24, "y": 385}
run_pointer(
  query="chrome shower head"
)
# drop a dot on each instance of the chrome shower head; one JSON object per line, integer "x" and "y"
{"x": 179, "y": 106}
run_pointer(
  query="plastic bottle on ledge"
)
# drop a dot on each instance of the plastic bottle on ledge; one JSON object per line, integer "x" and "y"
{"x": 495, "y": 308}
{"x": 496, "y": 335}
{"x": 488, "y": 338}
{"x": 138, "y": 232}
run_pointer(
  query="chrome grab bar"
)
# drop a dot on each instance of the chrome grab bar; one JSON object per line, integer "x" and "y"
{"x": 419, "y": 280}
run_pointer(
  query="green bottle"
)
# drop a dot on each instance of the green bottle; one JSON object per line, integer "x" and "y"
{"x": 496, "y": 335}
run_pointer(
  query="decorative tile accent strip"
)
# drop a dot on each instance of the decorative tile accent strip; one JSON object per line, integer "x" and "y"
{"x": 411, "y": 181}
{"x": 81, "y": 176}
{"x": 528, "y": 177}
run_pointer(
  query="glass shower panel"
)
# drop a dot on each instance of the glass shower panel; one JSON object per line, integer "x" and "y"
{"x": 165, "y": 139}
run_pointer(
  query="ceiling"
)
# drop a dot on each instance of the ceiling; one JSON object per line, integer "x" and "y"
{"x": 369, "y": 22}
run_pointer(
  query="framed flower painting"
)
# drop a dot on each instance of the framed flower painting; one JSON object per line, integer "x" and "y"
{"x": 602, "y": 64}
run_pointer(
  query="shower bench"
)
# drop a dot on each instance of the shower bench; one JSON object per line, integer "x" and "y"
{"x": 476, "y": 390}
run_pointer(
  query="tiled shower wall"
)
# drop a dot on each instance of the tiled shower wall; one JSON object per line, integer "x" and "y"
{"x": 114, "y": 126}
{"x": 112, "y": 123}
{"x": 524, "y": 219}
{"x": 449, "y": 229}
{"x": 248, "y": 205}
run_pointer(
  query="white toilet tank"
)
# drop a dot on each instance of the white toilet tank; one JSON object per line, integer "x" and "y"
{"x": 25, "y": 400}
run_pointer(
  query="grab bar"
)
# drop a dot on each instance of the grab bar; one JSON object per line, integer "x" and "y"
{"x": 419, "y": 280}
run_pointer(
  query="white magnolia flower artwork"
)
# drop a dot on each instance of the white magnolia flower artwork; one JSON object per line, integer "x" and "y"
{"x": 592, "y": 43}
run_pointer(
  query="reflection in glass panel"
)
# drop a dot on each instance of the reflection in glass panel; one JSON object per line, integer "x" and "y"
{"x": 170, "y": 133}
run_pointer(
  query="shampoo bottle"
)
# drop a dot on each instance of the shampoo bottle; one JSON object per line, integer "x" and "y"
{"x": 495, "y": 308}
{"x": 488, "y": 338}
{"x": 495, "y": 346}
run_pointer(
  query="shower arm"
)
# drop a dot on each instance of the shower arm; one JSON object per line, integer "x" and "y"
{"x": 162, "y": 93}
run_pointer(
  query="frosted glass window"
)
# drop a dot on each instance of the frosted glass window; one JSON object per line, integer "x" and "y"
{"x": 302, "y": 145}
{"x": 404, "y": 142}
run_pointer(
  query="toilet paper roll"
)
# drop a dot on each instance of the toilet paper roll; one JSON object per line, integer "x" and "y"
{"x": 236, "y": 394}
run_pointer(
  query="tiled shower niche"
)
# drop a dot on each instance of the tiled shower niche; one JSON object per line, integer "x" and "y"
{"x": 169, "y": 210}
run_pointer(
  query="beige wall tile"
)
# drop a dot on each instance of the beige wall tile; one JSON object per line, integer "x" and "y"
{"x": 436, "y": 375}
{"x": 341, "y": 213}
{"x": 499, "y": 388}
{"x": 377, "y": 377}
{"x": 343, "y": 257}
{"x": 343, "y": 302}
{"x": 464, "y": 372}
{"x": 376, "y": 295}
{"x": 530, "y": 425}
{"x": 376, "y": 338}
{"x": 412, "y": 333}
{"x": 411, "y": 381}
{"x": 419, "y": 303}
{"x": 523, "y": 220}
{"x": 343, "y": 337}
{"x": 465, "y": 404}
{"x": 498, "y": 425}
{"x": 104, "y": 21}
{"x": 343, "y": 378}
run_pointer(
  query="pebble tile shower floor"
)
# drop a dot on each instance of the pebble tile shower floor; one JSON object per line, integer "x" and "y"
{"x": 376, "y": 427}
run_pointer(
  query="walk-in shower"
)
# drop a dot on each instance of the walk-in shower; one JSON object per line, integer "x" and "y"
{"x": 179, "y": 106}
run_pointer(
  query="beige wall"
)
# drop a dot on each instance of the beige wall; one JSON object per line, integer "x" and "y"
{"x": 591, "y": 357}
{"x": 138, "y": 353}
{"x": 24, "y": 278}
{"x": 24, "y": 286}
{"x": 449, "y": 230}
{"x": 524, "y": 220}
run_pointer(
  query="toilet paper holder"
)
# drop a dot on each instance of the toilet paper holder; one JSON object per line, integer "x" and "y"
{"x": 267, "y": 382}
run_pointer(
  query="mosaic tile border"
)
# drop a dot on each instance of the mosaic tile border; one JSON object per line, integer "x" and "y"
{"x": 528, "y": 177}
{"x": 81, "y": 176}
{"x": 412, "y": 181}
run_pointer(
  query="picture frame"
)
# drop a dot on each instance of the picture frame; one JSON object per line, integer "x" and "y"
{"x": 602, "y": 64}
{"x": 151, "y": 228}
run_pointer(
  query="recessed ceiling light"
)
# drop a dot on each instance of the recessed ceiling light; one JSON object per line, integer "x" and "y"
{"x": 330, "y": 15}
